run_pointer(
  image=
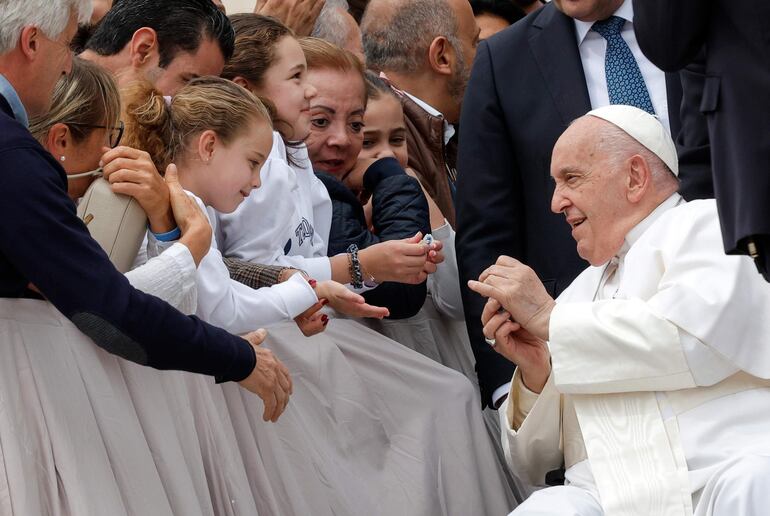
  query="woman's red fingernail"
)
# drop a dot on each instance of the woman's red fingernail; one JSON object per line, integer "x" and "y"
{"x": 325, "y": 318}
{"x": 313, "y": 283}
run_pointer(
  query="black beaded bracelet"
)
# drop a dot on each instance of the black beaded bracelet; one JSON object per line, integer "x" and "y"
{"x": 356, "y": 277}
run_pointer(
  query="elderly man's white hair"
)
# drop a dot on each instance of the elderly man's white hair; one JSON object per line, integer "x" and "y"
{"x": 50, "y": 16}
{"x": 331, "y": 24}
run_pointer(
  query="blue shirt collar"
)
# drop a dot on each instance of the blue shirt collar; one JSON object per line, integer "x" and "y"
{"x": 7, "y": 91}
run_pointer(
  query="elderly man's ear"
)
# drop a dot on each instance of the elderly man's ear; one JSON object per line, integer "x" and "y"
{"x": 143, "y": 49}
{"x": 442, "y": 56}
{"x": 638, "y": 180}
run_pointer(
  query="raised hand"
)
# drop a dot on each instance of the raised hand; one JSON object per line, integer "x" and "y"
{"x": 132, "y": 172}
{"x": 298, "y": 15}
{"x": 519, "y": 291}
{"x": 269, "y": 380}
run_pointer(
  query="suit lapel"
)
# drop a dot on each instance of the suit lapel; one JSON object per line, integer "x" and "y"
{"x": 552, "y": 40}
{"x": 674, "y": 94}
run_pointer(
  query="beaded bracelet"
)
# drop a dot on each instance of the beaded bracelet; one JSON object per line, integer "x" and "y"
{"x": 354, "y": 266}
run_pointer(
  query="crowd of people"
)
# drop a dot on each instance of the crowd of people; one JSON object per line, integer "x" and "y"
{"x": 352, "y": 217}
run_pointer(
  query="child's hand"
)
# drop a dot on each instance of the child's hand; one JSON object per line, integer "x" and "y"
{"x": 310, "y": 322}
{"x": 355, "y": 178}
{"x": 347, "y": 302}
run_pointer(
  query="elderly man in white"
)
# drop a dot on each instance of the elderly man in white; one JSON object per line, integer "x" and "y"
{"x": 648, "y": 377}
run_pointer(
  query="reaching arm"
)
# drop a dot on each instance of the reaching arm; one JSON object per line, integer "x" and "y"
{"x": 254, "y": 275}
{"x": 59, "y": 257}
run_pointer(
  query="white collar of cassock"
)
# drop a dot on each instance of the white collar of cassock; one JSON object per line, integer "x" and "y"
{"x": 637, "y": 231}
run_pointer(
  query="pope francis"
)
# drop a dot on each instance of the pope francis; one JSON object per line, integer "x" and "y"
{"x": 647, "y": 379}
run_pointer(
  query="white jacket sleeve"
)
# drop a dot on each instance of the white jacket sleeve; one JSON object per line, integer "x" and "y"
{"x": 240, "y": 309}
{"x": 170, "y": 276}
{"x": 531, "y": 431}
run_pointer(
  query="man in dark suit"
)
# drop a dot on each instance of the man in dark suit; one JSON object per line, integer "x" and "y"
{"x": 529, "y": 82}
{"x": 735, "y": 99}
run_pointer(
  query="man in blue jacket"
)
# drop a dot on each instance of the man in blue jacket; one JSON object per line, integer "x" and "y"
{"x": 43, "y": 243}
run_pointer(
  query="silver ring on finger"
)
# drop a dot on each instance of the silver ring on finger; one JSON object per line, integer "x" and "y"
{"x": 491, "y": 342}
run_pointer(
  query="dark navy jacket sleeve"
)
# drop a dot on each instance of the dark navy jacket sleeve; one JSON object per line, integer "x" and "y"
{"x": 43, "y": 242}
{"x": 399, "y": 211}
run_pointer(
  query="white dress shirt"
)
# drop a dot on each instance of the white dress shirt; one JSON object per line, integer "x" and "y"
{"x": 593, "y": 48}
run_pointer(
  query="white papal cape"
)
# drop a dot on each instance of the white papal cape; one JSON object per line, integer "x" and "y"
{"x": 660, "y": 373}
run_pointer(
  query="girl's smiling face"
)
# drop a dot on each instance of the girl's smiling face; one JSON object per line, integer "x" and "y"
{"x": 285, "y": 84}
{"x": 224, "y": 175}
{"x": 385, "y": 130}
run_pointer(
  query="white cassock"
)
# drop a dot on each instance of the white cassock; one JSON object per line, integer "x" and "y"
{"x": 659, "y": 399}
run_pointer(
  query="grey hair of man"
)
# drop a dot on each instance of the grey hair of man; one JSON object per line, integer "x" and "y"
{"x": 619, "y": 146}
{"x": 50, "y": 16}
{"x": 330, "y": 25}
{"x": 401, "y": 43}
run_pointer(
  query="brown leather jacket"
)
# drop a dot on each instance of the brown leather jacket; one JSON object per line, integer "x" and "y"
{"x": 434, "y": 162}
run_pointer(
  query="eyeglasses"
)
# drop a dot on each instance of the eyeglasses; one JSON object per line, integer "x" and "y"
{"x": 116, "y": 133}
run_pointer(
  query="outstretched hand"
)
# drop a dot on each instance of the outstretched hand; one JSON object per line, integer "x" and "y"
{"x": 402, "y": 261}
{"x": 347, "y": 302}
{"x": 269, "y": 380}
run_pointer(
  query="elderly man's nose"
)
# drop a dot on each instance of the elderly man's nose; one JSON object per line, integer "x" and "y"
{"x": 559, "y": 203}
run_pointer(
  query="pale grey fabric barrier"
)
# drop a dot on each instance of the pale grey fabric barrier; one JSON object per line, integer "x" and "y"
{"x": 445, "y": 341}
{"x": 372, "y": 429}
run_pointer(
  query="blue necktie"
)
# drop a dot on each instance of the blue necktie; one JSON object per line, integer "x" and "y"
{"x": 625, "y": 83}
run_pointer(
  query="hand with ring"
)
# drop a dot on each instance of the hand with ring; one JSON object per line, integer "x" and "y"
{"x": 508, "y": 338}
